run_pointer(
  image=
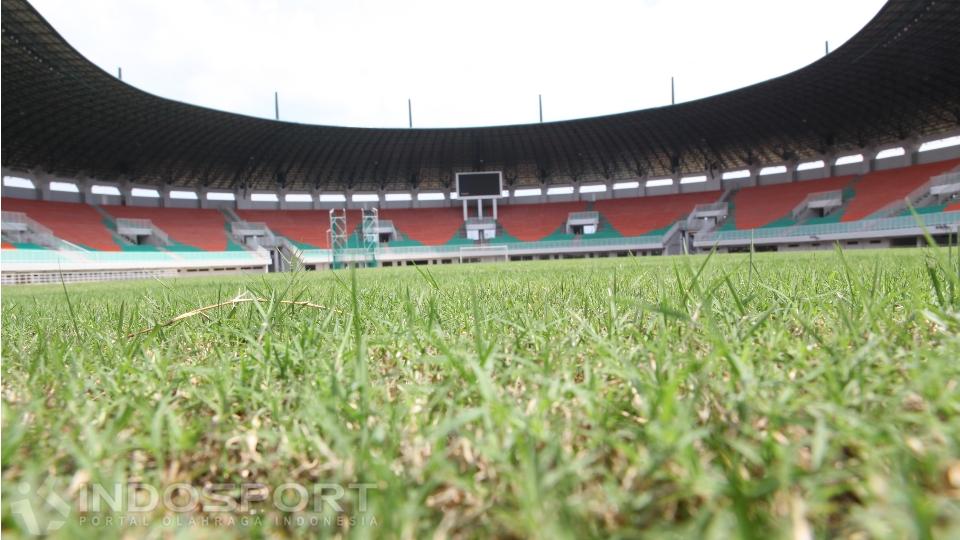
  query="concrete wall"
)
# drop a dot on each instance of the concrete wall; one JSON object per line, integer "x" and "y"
{"x": 812, "y": 174}
{"x": 952, "y": 152}
{"x": 20, "y": 193}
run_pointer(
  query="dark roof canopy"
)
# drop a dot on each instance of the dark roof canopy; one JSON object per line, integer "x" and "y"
{"x": 899, "y": 77}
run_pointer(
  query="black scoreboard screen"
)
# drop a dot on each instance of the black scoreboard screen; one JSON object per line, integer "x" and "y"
{"x": 479, "y": 185}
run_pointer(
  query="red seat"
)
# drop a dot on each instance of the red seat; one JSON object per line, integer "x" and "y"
{"x": 77, "y": 223}
{"x": 757, "y": 206}
{"x": 308, "y": 227}
{"x": 202, "y": 228}
{"x": 532, "y": 222}
{"x": 429, "y": 226}
{"x": 880, "y": 188}
{"x": 639, "y": 215}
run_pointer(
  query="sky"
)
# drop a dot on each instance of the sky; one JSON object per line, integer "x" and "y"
{"x": 476, "y": 63}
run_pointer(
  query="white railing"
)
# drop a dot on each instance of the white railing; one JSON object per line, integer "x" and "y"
{"x": 945, "y": 183}
{"x": 585, "y": 216}
{"x": 818, "y": 197}
{"x": 710, "y": 207}
{"x": 134, "y": 223}
{"x": 21, "y": 218}
{"x": 867, "y": 228}
{"x": 481, "y": 222}
{"x": 140, "y": 224}
{"x": 259, "y": 231}
{"x": 249, "y": 228}
{"x": 20, "y": 260}
{"x": 716, "y": 210}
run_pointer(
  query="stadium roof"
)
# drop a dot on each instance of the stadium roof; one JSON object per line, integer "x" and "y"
{"x": 899, "y": 77}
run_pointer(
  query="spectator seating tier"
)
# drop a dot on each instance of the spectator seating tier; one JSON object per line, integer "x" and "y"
{"x": 532, "y": 222}
{"x": 757, "y": 206}
{"x": 76, "y": 223}
{"x": 309, "y": 228}
{"x": 429, "y": 226}
{"x": 878, "y": 189}
{"x": 643, "y": 215}
{"x": 200, "y": 228}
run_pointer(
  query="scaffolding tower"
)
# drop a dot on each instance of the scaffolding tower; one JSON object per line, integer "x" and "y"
{"x": 370, "y": 227}
{"x": 337, "y": 235}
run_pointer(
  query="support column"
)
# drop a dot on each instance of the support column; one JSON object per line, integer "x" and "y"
{"x": 792, "y": 170}
{"x": 465, "y": 214}
{"x": 86, "y": 194}
{"x": 829, "y": 167}
{"x": 479, "y": 208}
{"x": 494, "y": 209}
{"x": 869, "y": 159}
{"x": 912, "y": 148}
{"x": 126, "y": 192}
{"x": 42, "y": 182}
{"x": 164, "y": 191}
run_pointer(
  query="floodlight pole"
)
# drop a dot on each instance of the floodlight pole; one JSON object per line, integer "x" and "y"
{"x": 540, "y": 100}
{"x": 410, "y": 112}
{"x": 826, "y": 48}
{"x": 673, "y": 99}
{"x": 120, "y": 73}
{"x": 276, "y": 105}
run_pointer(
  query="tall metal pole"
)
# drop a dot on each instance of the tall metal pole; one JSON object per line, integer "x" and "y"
{"x": 276, "y": 105}
{"x": 410, "y": 112}
{"x": 673, "y": 98}
{"x": 540, "y": 100}
{"x": 826, "y": 48}
{"x": 120, "y": 73}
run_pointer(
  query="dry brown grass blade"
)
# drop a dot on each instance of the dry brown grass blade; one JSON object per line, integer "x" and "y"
{"x": 201, "y": 310}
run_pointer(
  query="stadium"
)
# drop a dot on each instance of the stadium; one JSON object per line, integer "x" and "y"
{"x": 758, "y": 339}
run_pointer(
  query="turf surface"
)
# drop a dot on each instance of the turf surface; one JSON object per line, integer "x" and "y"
{"x": 774, "y": 395}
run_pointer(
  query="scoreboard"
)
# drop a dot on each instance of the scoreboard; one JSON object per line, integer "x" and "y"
{"x": 479, "y": 185}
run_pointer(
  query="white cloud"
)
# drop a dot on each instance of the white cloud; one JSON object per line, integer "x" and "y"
{"x": 356, "y": 62}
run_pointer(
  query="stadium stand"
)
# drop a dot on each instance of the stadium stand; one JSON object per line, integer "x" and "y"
{"x": 76, "y": 223}
{"x": 190, "y": 228}
{"x": 878, "y": 189}
{"x": 532, "y": 222}
{"x": 757, "y": 206}
{"x": 307, "y": 228}
{"x": 428, "y": 226}
{"x": 644, "y": 215}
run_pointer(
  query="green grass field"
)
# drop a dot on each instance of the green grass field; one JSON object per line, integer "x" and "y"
{"x": 778, "y": 395}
